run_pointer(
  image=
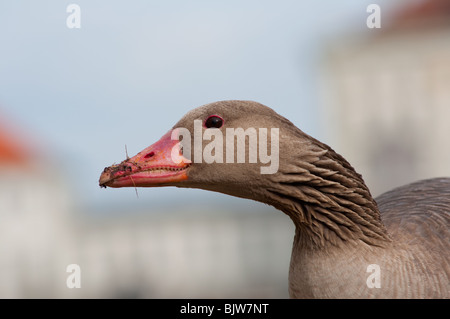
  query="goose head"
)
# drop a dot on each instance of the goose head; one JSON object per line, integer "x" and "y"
{"x": 232, "y": 147}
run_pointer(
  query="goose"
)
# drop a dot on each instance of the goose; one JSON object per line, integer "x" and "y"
{"x": 346, "y": 243}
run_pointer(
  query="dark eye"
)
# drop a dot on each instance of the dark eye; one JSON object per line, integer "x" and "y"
{"x": 214, "y": 121}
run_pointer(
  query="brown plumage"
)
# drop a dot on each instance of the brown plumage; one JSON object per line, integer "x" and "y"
{"x": 340, "y": 228}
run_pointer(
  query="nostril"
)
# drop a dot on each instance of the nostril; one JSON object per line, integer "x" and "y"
{"x": 151, "y": 154}
{"x": 126, "y": 168}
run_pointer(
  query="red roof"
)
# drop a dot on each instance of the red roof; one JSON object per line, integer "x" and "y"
{"x": 429, "y": 12}
{"x": 13, "y": 151}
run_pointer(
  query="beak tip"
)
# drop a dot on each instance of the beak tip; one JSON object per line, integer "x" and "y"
{"x": 105, "y": 177}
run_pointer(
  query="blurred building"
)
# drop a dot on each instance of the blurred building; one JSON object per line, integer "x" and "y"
{"x": 386, "y": 96}
{"x": 185, "y": 254}
{"x": 175, "y": 253}
{"x": 34, "y": 219}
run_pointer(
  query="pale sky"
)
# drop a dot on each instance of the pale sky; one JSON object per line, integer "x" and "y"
{"x": 134, "y": 68}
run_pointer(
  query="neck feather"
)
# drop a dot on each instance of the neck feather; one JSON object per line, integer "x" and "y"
{"x": 327, "y": 200}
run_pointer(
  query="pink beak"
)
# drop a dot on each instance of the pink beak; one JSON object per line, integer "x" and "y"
{"x": 160, "y": 163}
